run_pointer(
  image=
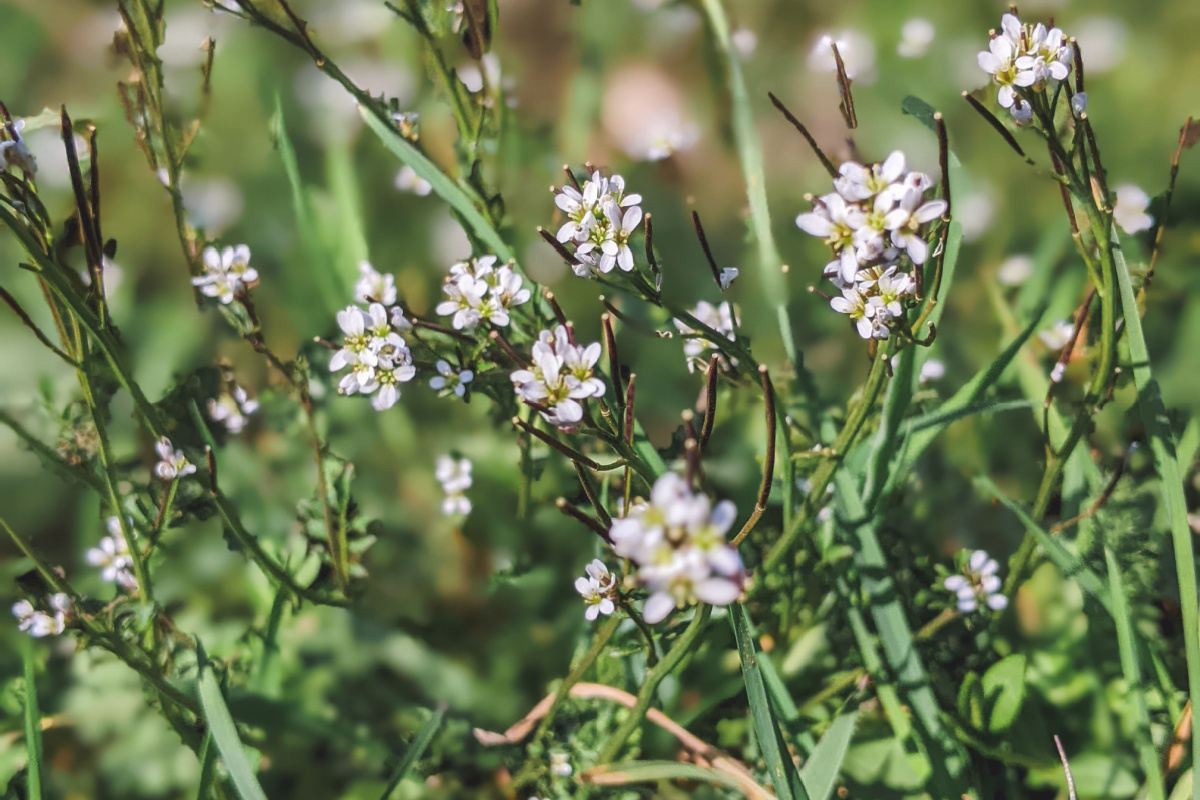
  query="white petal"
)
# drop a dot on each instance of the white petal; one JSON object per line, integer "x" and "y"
{"x": 658, "y": 607}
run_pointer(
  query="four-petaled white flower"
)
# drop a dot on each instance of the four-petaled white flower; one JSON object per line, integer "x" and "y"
{"x": 979, "y": 586}
{"x": 1024, "y": 57}
{"x": 876, "y": 222}
{"x": 377, "y": 356}
{"x": 677, "y": 541}
{"x": 38, "y": 623}
{"x": 598, "y": 590}
{"x": 226, "y": 273}
{"x": 172, "y": 463}
{"x": 478, "y": 291}
{"x": 454, "y": 474}
{"x": 14, "y": 151}
{"x": 695, "y": 347}
{"x": 451, "y": 379}
{"x": 111, "y": 555}
{"x": 374, "y": 287}
{"x": 560, "y": 376}
{"x": 601, "y": 218}
{"x": 1129, "y": 212}
{"x": 231, "y": 408}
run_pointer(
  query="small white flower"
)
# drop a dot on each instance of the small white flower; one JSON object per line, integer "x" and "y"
{"x": 454, "y": 474}
{"x": 916, "y": 35}
{"x": 1129, "y": 212}
{"x": 616, "y": 248}
{"x": 111, "y": 555}
{"x": 1015, "y": 270}
{"x": 448, "y": 377}
{"x": 226, "y": 273}
{"x": 979, "y": 586}
{"x": 373, "y": 287}
{"x": 231, "y": 408}
{"x": 172, "y": 463}
{"x": 407, "y": 180}
{"x": 14, "y": 151}
{"x": 1058, "y": 335}
{"x": 932, "y": 370}
{"x": 42, "y": 623}
{"x": 479, "y": 292}
{"x": 561, "y": 374}
{"x": 598, "y": 590}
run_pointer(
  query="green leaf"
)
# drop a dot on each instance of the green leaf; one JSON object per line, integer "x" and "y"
{"x": 783, "y": 773}
{"x": 208, "y": 767}
{"x": 970, "y": 700}
{"x": 415, "y": 751}
{"x": 821, "y": 771}
{"x": 33, "y": 727}
{"x": 1004, "y": 692}
{"x": 224, "y": 733}
{"x": 442, "y": 185}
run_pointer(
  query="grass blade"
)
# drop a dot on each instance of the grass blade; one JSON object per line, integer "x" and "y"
{"x": 208, "y": 767}
{"x": 784, "y": 776}
{"x": 415, "y": 751}
{"x": 33, "y": 727}
{"x": 821, "y": 771}
{"x": 644, "y": 771}
{"x": 1166, "y": 464}
{"x": 225, "y": 735}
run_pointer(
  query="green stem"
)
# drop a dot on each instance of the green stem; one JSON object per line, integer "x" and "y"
{"x": 682, "y": 646}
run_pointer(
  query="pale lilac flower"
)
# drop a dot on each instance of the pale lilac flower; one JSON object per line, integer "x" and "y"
{"x": 232, "y": 408}
{"x": 598, "y": 590}
{"x": 979, "y": 586}
{"x": 1129, "y": 212}
{"x": 112, "y": 556}
{"x": 449, "y": 378}
{"x": 172, "y": 463}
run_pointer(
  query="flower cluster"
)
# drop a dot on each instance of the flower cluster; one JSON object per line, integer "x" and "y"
{"x": 13, "y": 151}
{"x": 231, "y": 408}
{"x": 695, "y": 347}
{"x": 40, "y": 623}
{"x": 677, "y": 541}
{"x": 561, "y": 375}
{"x": 374, "y": 287}
{"x": 598, "y": 589}
{"x": 226, "y": 273}
{"x": 112, "y": 557}
{"x": 979, "y": 586}
{"x": 600, "y": 220}
{"x": 454, "y": 474}
{"x": 478, "y": 291}
{"x": 172, "y": 463}
{"x": 378, "y": 358}
{"x": 1024, "y": 56}
{"x": 875, "y": 217}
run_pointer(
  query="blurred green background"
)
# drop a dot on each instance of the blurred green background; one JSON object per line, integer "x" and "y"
{"x": 482, "y": 615}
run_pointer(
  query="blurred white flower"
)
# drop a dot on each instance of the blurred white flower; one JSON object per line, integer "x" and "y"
{"x": 111, "y": 555}
{"x": 644, "y": 113}
{"x": 975, "y": 212}
{"x": 979, "y": 586}
{"x": 932, "y": 370}
{"x": 598, "y": 590}
{"x": 916, "y": 35}
{"x": 451, "y": 379}
{"x": 677, "y": 541}
{"x": 745, "y": 42}
{"x": 454, "y": 474}
{"x": 857, "y": 50}
{"x": 172, "y": 463}
{"x": 231, "y": 408}
{"x": 211, "y": 203}
{"x": 560, "y": 764}
{"x": 1102, "y": 43}
{"x": 226, "y": 273}
{"x": 1058, "y": 335}
{"x": 39, "y": 623}
{"x": 1079, "y": 102}
{"x": 695, "y": 348}
{"x": 1015, "y": 270}
{"x": 373, "y": 287}
{"x": 407, "y": 180}
{"x": 1129, "y": 212}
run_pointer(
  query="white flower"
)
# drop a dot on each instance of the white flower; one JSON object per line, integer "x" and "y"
{"x": 407, "y": 180}
{"x": 719, "y": 318}
{"x": 448, "y": 377}
{"x": 979, "y": 585}
{"x": 616, "y": 248}
{"x": 378, "y": 357}
{"x": 677, "y": 541}
{"x": 855, "y": 305}
{"x": 172, "y": 463}
{"x": 41, "y": 623}
{"x": 111, "y": 555}
{"x": 916, "y": 35}
{"x": 856, "y": 182}
{"x": 454, "y": 474}
{"x": 1058, "y": 335}
{"x": 561, "y": 374}
{"x": 598, "y": 590}
{"x": 906, "y": 219}
{"x": 226, "y": 273}
{"x": 932, "y": 370}
{"x": 1015, "y": 270}
{"x": 373, "y": 287}
{"x": 479, "y": 292}
{"x": 664, "y": 138}
{"x": 745, "y": 42}
{"x": 231, "y": 409}
{"x": 1024, "y": 56}
{"x": 14, "y": 150}
{"x": 600, "y": 219}
{"x": 1129, "y": 212}
{"x": 1079, "y": 103}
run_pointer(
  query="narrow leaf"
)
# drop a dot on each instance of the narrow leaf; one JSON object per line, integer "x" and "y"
{"x": 224, "y": 733}
{"x": 821, "y": 771}
{"x": 415, "y": 751}
{"x": 33, "y": 727}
